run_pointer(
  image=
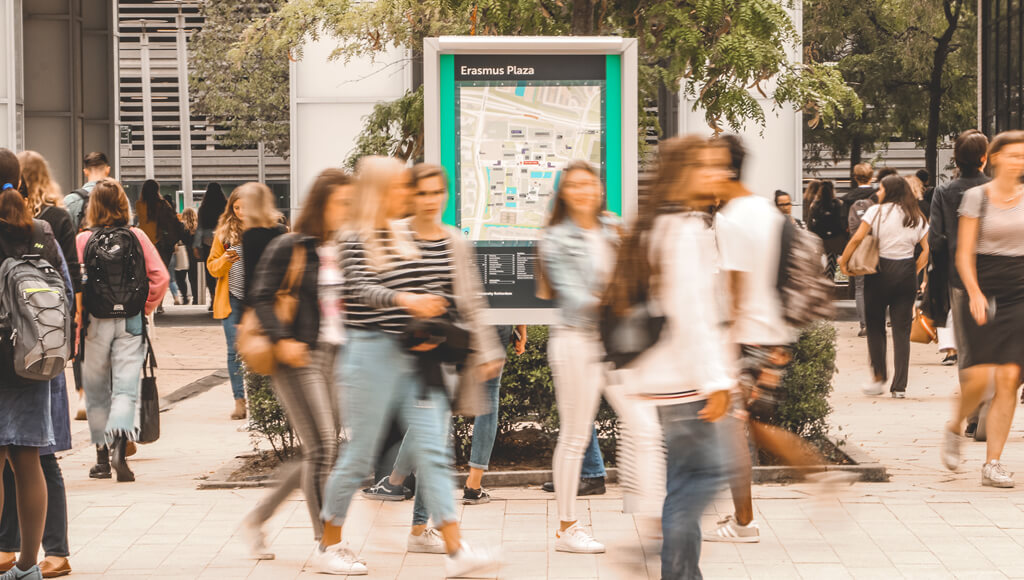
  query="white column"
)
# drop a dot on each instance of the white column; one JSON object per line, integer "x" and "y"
{"x": 147, "y": 106}
{"x": 184, "y": 112}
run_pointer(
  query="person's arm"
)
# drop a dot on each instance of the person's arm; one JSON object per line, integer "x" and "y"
{"x": 270, "y": 275}
{"x": 520, "y": 342}
{"x": 219, "y": 263}
{"x": 922, "y": 260}
{"x": 362, "y": 280}
{"x": 853, "y": 244}
{"x": 159, "y": 278}
{"x": 572, "y": 295}
{"x": 966, "y": 265}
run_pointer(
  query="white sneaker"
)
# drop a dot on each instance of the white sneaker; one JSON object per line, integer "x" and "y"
{"x": 577, "y": 541}
{"x": 470, "y": 563}
{"x": 338, "y": 559}
{"x": 729, "y": 530}
{"x": 950, "y": 449}
{"x": 255, "y": 540}
{"x": 80, "y": 406}
{"x": 429, "y": 542}
{"x": 874, "y": 388}
{"x": 995, "y": 475}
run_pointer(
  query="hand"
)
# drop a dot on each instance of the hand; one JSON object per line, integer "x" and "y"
{"x": 490, "y": 370}
{"x": 232, "y": 256}
{"x": 195, "y": 253}
{"x": 423, "y": 305}
{"x": 842, "y": 267}
{"x": 292, "y": 353}
{"x": 715, "y": 408}
{"x": 520, "y": 343}
{"x": 979, "y": 308}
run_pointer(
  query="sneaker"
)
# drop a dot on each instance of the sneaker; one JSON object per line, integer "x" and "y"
{"x": 950, "y": 449}
{"x": 385, "y": 491}
{"x": 995, "y": 475}
{"x": 549, "y": 486}
{"x": 899, "y": 394}
{"x": 591, "y": 486}
{"x": 338, "y": 559}
{"x": 429, "y": 542}
{"x": 863, "y": 333}
{"x": 472, "y": 496}
{"x": 14, "y": 573}
{"x": 729, "y": 530}
{"x": 950, "y": 360}
{"x": 972, "y": 428}
{"x": 874, "y": 389}
{"x": 255, "y": 540}
{"x": 470, "y": 563}
{"x": 577, "y": 541}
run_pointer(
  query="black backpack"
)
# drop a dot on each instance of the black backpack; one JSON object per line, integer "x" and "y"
{"x": 116, "y": 281}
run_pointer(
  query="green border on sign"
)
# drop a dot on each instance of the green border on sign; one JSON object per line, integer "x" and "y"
{"x": 449, "y": 154}
{"x": 613, "y": 132}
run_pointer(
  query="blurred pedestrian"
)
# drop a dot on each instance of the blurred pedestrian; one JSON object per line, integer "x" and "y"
{"x": 262, "y": 223}
{"x": 188, "y": 277}
{"x": 810, "y": 194}
{"x": 827, "y": 222}
{"x": 95, "y": 167}
{"x": 899, "y": 226}
{"x": 124, "y": 281}
{"x": 225, "y": 263}
{"x": 210, "y": 210}
{"x": 784, "y": 203}
{"x": 990, "y": 262}
{"x": 156, "y": 217}
{"x": 305, "y": 346}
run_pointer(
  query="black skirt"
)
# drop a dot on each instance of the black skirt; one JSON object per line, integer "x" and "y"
{"x": 1000, "y": 340}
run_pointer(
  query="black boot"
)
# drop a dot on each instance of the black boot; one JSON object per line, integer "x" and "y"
{"x": 591, "y": 486}
{"x": 102, "y": 468}
{"x": 118, "y": 461}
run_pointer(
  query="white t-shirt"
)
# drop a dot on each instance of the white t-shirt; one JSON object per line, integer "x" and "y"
{"x": 749, "y": 233}
{"x": 895, "y": 240}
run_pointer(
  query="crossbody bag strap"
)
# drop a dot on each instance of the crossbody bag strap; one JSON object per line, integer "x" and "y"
{"x": 149, "y": 363}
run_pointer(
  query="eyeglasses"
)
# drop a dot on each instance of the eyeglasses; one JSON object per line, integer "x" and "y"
{"x": 423, "y": 193}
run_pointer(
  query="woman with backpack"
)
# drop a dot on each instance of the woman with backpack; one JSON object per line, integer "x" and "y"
{"x": 826, "y": 221}
{"x": 210, "y": 210}
{"x": 124, "y": 281}
{"x": 26, "y": 424}
{"x": 226, "y": 265}
{"x": 900, "y": 227}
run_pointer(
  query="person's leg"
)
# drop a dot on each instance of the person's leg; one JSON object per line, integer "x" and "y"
{"x": 31, "y": 491}
{"x": 181, "y": 278}
{"x": 789, "y": 447}
{"x": 974, "y": 382}
{"x": 947, "y": 335}
{"x": 858, "y": 289}
{"x": 741, "y": 477}
{"x": 55, "y": 533}
{"x": 289, "y": 479}
{"x": 10, "y": 539}
{"x": 230, "y": 325}
{"x": 641, "y": 453}
{"x": 485, "y": 429}
{"x": 97, "y": 376}
{"x": 193, "y": 279}
{"x": 127, "y": 354}
{"x": 695, "y": 471}
{"x": 902, "y": 294}
{"x": 874, "y": 316}
{"x": 1000, "y": 414}
{"x": 593, "y": 461}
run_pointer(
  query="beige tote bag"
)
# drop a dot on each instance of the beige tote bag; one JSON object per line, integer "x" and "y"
{"x": 865, "y": 258}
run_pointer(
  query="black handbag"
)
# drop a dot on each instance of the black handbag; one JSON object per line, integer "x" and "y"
{"x": 451, "y": 342}
{"x": 149, "y": 398}
{"x": 628, "y": 335}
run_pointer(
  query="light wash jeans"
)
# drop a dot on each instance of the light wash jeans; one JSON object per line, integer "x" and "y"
{"x": 380, "y": 380}
{"x": 405, "y": 462}
{"x": 112, "y": 373}
{"x": 173, "y": 286}
{"x": 697, "y": 469}
{"x": 230, "y": 325}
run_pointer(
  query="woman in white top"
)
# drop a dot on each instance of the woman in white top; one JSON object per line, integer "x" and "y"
{"x": 900, "y": 227}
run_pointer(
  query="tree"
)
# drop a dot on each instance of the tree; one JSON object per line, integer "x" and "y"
{"x": 723, "y": 48}
{"x": 246, "y": 98}
{"x": 912, "y": 64}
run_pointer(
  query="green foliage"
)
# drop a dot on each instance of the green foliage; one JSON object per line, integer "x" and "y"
{"x": 808, "y": 383}
{"x": 267, "y": 420}
{"x": 392, "y": 129}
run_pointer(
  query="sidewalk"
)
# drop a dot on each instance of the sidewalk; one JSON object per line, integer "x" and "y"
{"x": 925, "y": 523}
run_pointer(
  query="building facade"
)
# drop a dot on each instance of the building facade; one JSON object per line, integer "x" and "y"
{"x": 1000, "y": 65}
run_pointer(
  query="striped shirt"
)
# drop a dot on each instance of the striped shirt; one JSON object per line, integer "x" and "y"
{"x": 371, "y": 296}
{"x": 236, "y": 276}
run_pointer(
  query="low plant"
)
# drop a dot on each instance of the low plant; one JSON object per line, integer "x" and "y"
{"x": 267, "y": 420}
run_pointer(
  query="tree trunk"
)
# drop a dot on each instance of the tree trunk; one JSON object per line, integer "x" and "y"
{"x": 952, "y": 10}
{"x": 583, "y": 17}
{"x": 855, "y": 158}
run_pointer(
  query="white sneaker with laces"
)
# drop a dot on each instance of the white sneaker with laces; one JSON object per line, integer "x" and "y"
{"x": 874, "y": 388}
{"x": 577, "y": 541}
{"x": 470, "y": 562}
{"x": 339, "y": 560}
{"x": 950, "y": 449}
{"x": 429, "y": 542}
{"x": 729, "y": 530}
{"x": 995, "y": 475}
{"x": 14, "y": 573}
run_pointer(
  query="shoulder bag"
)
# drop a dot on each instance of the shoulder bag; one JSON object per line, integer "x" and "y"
{"x": 864, "y": 260}
{"x": 149, "y": 396}
{"x": 254, "y": 346}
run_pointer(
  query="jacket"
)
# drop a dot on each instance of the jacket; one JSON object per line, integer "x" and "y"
{"x": 944, "y": 223}
{"x": 572, "y": 273}
{"x": 218, "y": 266}
{"x": 270, "y": 275}
{"x": 254, "y": 244}
{"x": 64, "y": 231}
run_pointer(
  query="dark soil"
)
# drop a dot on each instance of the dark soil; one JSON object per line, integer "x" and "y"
{"x": 833, "y": 454}
{"x": 257, "y": 467}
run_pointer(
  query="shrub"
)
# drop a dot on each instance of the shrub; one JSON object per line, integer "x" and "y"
{"x": 266, "y": 416}
{"x": 808, "y": 383}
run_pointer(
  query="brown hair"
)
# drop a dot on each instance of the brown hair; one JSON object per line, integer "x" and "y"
{"x": 108, "y": 206}
{"x": 1004, "y": 140}
{"x": 862, "y": 173}
{"x": 422, "y": 171}
{"x": 190, "y": 219}
{"x": 969, "y": 150}
{"x": 10, "y": 168}
{"x": 898, "y": 192}
{"x": 311, "y": 219}
{"x": 229, "y": 226}
{"x": 560, "y": 210}
{"x": 95, "y": 160}
{"x": 39, "y": 186}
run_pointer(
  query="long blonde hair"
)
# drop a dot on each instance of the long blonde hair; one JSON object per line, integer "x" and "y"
{"x": 39, "y": 184}
{"x": 260, "y": 206}
{"x": 190, "y": 219}
{"x": 374, "y": 176}
{"x": 229, "y": 226}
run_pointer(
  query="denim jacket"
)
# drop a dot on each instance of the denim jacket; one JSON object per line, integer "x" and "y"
{"x": 569, "y": 265}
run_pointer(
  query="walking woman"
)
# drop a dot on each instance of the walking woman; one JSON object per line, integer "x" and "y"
{"x": 26, "y": 425}
{"x": 578, "y": 252}
{"x": 810, "y": 194}
{"x": 115, "y": 341}
{"x": 262, "y": 222}
{"x": 210, "y": 210}
{"x": 187, "y": 279}
{"x": 44, "y": 199}
{"x": 990, "y": 261}
{"x": 158, "y": 220}
{"x": 226, "y": 265}
{"x": 670, "y": 256}
{"x": 306, "y": 346}
{"x": 896, "y": 220}
{"x": 826, "y": 220}
{"x": 385, "y": 290}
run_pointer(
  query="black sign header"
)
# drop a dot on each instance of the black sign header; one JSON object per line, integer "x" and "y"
{"x": 529, "y": 67}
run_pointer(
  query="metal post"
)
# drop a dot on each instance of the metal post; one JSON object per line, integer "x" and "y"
{"x": 261, "y": 166}
{"x": 184, "y": 112}
{"x": 147, "y": 106}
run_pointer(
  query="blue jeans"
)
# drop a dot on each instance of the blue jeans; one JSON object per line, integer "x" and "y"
{"x": 372, "y": 392}
{"x": 231, "y": 335}
{"x": 485, "y": 427}
{"x": 112, "y": 374}
{"x": 593, "y": 462}
{"x": 696, "y": 470}
{"x": 173, "y": 286}
{"x": 55, "y": 530}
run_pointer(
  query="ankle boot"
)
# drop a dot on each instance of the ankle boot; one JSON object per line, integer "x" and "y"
{"x": 240, "y": 411}
{"x": 102, "y": 468}
{"x": 118, "y": 461}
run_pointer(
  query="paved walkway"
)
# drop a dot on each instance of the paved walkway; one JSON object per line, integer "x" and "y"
{"x": 925, "y": 523}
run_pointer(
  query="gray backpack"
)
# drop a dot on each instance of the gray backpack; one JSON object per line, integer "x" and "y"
{"x": 34, "y": 312}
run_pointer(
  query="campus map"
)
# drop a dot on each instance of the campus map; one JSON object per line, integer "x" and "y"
{"x": 514, "y": 139}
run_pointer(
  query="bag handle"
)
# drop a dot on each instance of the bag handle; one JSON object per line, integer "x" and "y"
{"x": 149, "y": 362}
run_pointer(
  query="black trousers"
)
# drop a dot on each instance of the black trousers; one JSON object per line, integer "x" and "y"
{"x": 55, "y": 530}
{"x": 893, "y": 288}
{"x": 190, "y": 276}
